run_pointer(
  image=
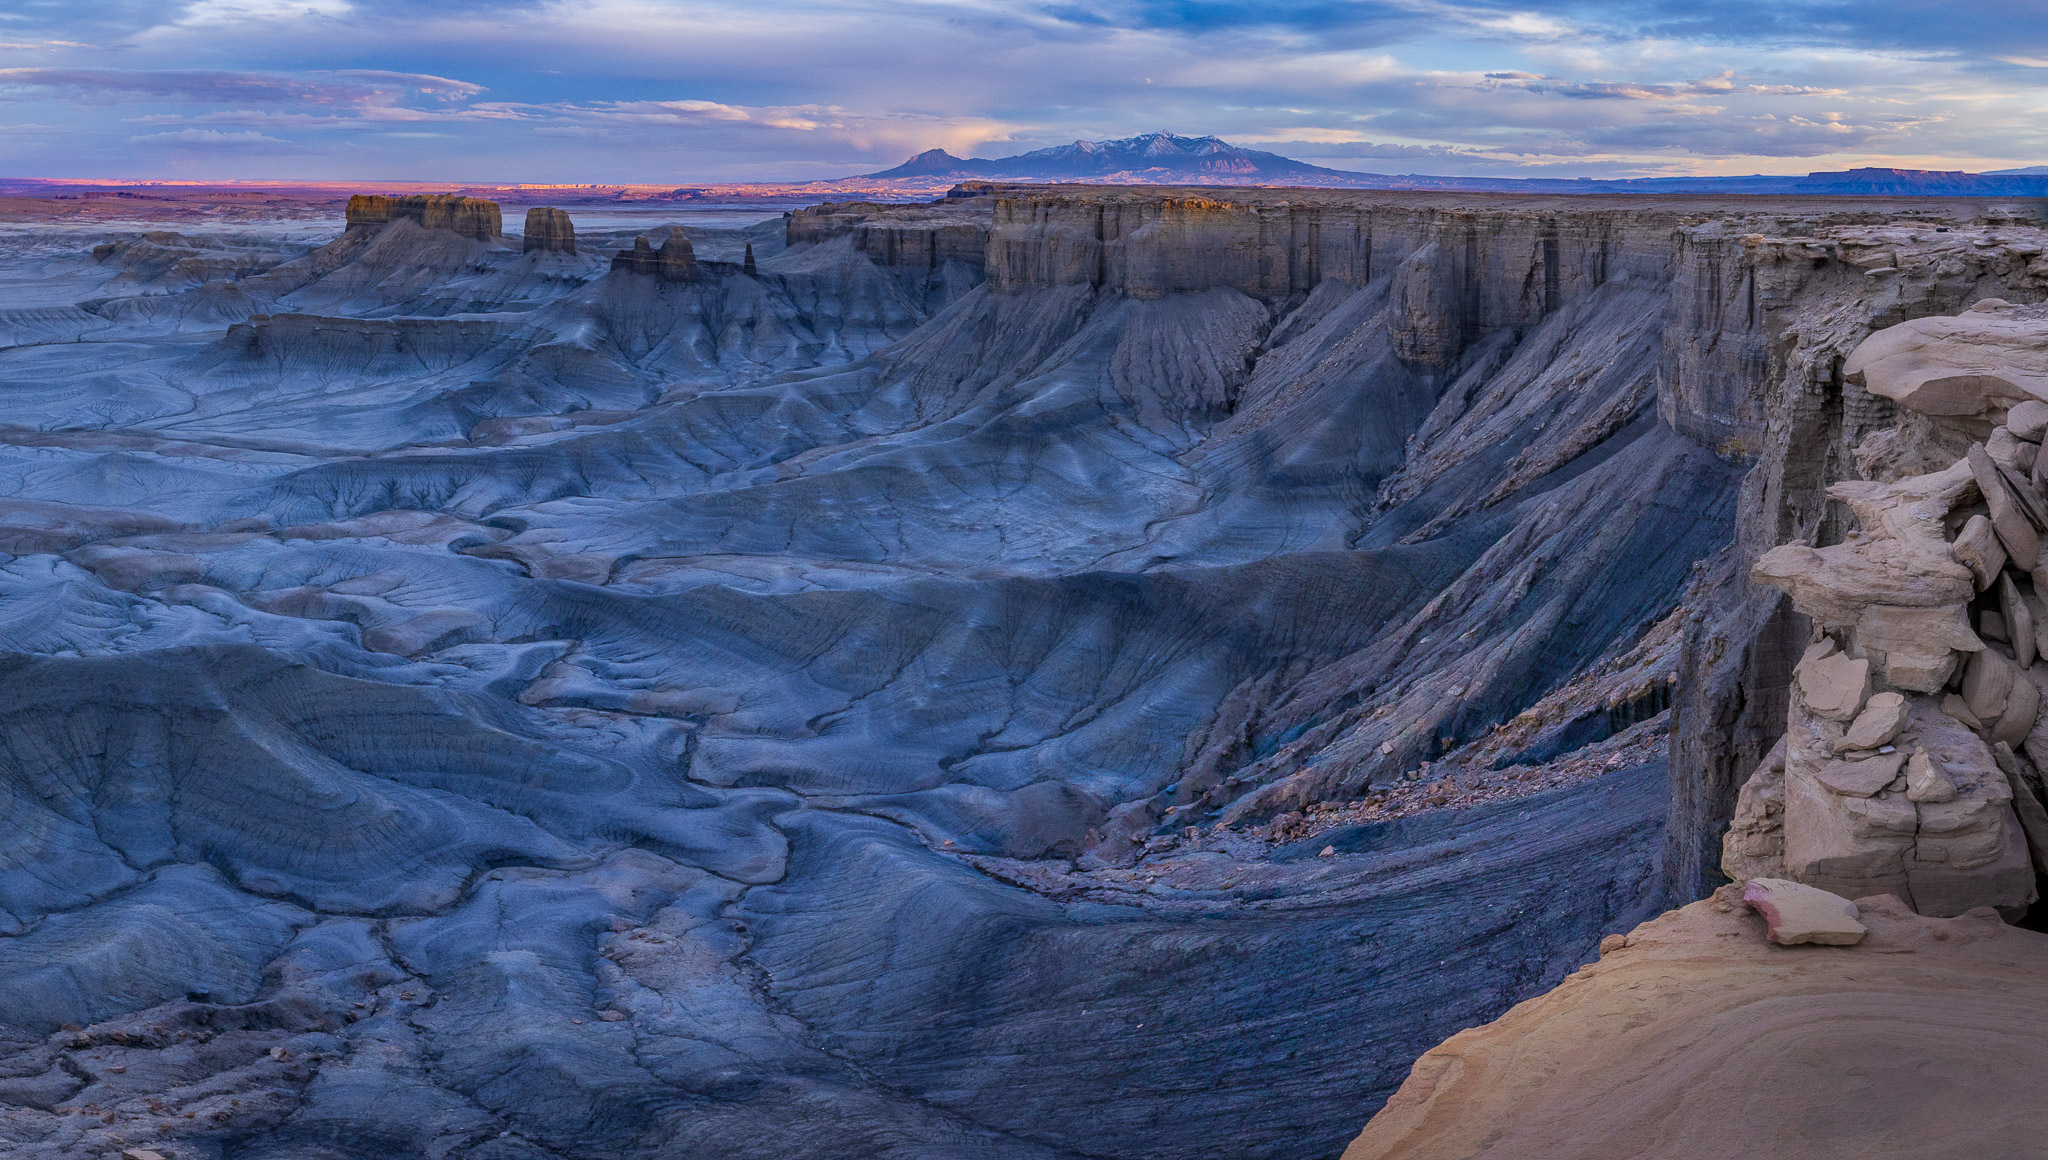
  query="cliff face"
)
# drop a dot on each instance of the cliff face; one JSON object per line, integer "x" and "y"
{"x": 471, "y": 217}
{"x": 1775, "y": 317}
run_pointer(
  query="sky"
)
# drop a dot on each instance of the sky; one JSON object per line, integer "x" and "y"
{"x": 700, "y": 91}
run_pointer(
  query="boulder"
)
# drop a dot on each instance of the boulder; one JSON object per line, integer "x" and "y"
{"x": 1968, "y": 850}
{"x": 1916, "y": 648}
{"x": 1990, "y": 867}
{"x": 2038, "y": 616}
{"x": 1956, "y": 707}
{"x": 2022, "y": 708}
{"x": 2031, "y": 504}
{"x": 2015, "y": 531}
{"x": 1987, "y": 684}
{"x": 1880, "y": 721}
{"x": 2019, "y": 621}
{"x": 2032, "y": 815}
{"x": 1853, "y": 843}
{"x": 1795, "y": 913}
{"x": 2003, "y": 447}
{"x": 1863, "y": 778}
{"x": 2028, "y": 420}
{"x": 1978, "y": 549}
{"x": 1834, "y": 685}
{"x": 1966, "y": 372}
{"x": 1926, "y": 781}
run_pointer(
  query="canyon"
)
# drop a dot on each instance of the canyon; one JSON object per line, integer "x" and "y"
{"x": 1052, "y": 672}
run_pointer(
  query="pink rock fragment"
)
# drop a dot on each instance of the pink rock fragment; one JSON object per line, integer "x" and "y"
{"x": 1796, "y": 913}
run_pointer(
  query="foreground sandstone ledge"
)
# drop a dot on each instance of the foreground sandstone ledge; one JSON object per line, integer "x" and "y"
{"x": 1699, "y": 1040}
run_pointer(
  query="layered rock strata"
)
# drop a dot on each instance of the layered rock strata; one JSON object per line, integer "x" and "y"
{"x": 1915, "y": 721}
{"x": 471, "y": 217}
{"x": 548, "y": 230}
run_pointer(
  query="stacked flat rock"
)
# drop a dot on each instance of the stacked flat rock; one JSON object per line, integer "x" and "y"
{"x": 472, "y": 217}
{"x": 675, "y": 261}
{"x": 1915, "y": 730}
{"x": 548, "y": 230}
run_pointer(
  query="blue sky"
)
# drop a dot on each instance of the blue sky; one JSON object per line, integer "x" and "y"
{"x": 722, "y": 90}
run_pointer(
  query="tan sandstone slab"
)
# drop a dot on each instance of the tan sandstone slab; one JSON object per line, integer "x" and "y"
{"x": 1700, "y": 1040}
{"x": 1795, "y": 913}
{"x": 1968, "y": 369}
{"x": 1834, "y": 685}
{"x": 1879, "y": 722}
{"x": 1860, "y": 778}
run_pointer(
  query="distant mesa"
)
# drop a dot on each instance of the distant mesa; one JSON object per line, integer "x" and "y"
{"x": 548, "y": 230}
{"x": 472, "y": 217}
{"x": 675, "y": 261}
{"x": 1926, "y": 183}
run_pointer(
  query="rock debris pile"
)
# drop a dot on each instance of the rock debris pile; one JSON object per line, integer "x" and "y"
{"x": 1910, "y": 760}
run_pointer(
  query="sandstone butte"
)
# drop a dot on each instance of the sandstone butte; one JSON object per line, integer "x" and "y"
{"x": 548, "y": 229}
{"x": 470, "y": 217}
{"x": 1699, "y": 1039}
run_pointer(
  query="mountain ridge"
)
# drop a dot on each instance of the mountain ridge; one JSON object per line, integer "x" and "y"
{"x": 1165, "y": 158}
{"x": 1163, "y": 153}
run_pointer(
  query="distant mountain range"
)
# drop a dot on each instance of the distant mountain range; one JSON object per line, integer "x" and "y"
{"x": 1167, "y": 159}
{"x": 1161, "y": 158}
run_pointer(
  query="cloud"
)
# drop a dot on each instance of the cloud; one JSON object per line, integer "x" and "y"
{"x": 1332, "y": 150}
{"x": 209, "y": 137}
{"x": 348, "y": 86}
{"x": 218, "y": 12}
{"x": 702, "y": 90}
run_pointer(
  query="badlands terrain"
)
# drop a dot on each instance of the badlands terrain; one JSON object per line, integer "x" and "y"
{"x": 1081, "y": 672}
